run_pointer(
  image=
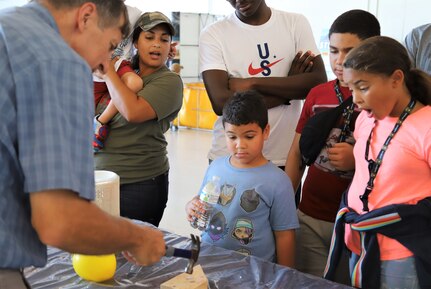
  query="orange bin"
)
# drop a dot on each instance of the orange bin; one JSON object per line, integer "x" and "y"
{"x": 196, "y": 111}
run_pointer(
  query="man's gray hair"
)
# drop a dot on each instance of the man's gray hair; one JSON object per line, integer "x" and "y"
{"x": 109, "y": 11}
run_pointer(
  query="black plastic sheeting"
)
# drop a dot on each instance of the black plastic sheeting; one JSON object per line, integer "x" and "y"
{"x": 223, "y": 268}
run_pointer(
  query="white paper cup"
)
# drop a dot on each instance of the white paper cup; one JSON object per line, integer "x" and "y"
{"x": 107, "y": 191}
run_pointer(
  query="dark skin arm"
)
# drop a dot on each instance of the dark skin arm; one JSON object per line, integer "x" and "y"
{"x": 220, "y": 88}
{"x": 301, "y": 63}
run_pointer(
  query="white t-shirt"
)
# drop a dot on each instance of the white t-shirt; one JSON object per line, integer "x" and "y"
{"x": 258, "y": 51}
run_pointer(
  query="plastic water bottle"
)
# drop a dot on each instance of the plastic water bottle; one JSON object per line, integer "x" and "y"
{"x": 208, "y": 198}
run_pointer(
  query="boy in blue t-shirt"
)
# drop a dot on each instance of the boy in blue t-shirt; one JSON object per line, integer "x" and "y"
{"x": 256, "y": 213}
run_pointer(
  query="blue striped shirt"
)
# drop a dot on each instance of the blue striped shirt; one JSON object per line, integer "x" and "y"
{"x": 46, "y": 111}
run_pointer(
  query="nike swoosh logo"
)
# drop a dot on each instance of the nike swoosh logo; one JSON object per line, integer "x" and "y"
{"x": 254, "y": 71}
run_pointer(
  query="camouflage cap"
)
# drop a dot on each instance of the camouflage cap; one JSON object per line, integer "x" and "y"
{"x": 149, "y": 20}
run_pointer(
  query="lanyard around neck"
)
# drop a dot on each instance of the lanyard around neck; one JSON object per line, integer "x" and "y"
{"x": 373, "y": 166}
{"x": 347, "y": 114}
{"x": 338, "y": 92}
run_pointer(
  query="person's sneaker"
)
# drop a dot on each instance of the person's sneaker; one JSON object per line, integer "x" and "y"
{"x": 100, "y": 134}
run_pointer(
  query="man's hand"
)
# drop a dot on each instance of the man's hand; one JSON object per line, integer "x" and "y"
{"x": 302, "y": 63}
{"x": 151, "y": 249}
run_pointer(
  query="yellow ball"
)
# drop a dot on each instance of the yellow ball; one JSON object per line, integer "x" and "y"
{"x": 94, "y": 268}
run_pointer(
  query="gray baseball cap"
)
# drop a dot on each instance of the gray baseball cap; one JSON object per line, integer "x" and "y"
{"x": 150, "y": 20}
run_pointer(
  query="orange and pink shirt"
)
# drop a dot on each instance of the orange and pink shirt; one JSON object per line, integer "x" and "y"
{"x": 404, "y": 176}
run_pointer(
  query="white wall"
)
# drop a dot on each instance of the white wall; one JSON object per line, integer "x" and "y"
{"x": 9, "y": 3}
{"x": 190, "y": 6}
{"x": 397, "y": 17}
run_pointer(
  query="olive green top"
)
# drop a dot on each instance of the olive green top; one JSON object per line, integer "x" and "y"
{"x": 137, "y": 151}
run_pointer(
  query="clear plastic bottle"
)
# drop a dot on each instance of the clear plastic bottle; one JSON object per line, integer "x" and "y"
{"x": 208, "y": 198}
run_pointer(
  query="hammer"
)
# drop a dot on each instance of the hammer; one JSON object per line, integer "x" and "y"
{"x": 192, "y": 254}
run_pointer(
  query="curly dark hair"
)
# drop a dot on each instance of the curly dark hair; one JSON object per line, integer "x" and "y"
{"x": 244, "y": 108}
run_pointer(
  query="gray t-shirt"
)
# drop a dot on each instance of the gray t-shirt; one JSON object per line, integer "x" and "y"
{"x": 418, "y": 44}
{"x": 137, "y": 151}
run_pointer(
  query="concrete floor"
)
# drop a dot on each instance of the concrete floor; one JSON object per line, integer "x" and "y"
{"x": 187, "y": 152}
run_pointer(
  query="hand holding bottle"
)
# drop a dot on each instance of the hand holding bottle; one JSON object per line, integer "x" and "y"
{"x": 199, "y": 209}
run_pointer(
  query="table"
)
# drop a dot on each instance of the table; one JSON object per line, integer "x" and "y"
{"x": 223, "y": 268}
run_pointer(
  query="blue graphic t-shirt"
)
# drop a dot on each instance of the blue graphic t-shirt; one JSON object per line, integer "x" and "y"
{"x": 253, "y": 203}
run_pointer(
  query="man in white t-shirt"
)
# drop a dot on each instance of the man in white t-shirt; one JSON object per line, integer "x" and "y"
{"x": 253, "y": 49}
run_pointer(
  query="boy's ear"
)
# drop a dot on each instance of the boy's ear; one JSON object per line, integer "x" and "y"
{"x": 266, "y": 131}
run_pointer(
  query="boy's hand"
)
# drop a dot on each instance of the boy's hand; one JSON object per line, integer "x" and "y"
{"x": 302, "y": 63}
{"x": 192, "y": 208}
{"x": 341, "y": 156}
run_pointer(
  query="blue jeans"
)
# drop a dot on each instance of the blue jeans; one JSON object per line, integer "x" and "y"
{"x": 395, "y": 274}
{"x": 145, "y": 201}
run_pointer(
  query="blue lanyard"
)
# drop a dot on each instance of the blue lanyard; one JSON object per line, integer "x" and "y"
{"x": 347, "y": 114}
{"x": 373, "y": 166}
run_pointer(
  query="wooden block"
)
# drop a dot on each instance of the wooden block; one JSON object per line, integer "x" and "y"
{"x": 197, "y": 280}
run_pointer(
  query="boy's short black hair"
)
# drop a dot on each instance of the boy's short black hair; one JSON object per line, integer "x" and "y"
{"x": 358, "y": 22}
{"x": 244, "y": 108}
